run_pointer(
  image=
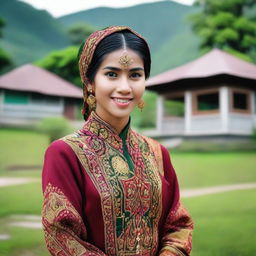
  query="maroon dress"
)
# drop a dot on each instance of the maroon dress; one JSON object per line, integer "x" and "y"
{"x": 112, "y": 194}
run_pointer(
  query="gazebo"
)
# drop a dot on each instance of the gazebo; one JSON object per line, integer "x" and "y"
{"x": 29, "y": 93}
{"x": 215, "y": 94}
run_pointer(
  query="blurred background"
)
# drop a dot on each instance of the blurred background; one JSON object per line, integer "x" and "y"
{"x": 200, "y": 103}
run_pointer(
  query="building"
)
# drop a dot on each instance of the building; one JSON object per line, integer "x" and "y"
{"x": 29, "y": 94}
{"x": 215, "y": 95}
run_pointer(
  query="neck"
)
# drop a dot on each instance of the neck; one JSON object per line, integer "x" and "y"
{"x": 117, "y": 124}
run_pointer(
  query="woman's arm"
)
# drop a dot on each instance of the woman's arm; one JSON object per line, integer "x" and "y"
{"x": 177, "y": 234}
{"x": 64, "y": 228}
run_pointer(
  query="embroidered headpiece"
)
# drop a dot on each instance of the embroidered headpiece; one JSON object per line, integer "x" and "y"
{"x": 87, "y": 51}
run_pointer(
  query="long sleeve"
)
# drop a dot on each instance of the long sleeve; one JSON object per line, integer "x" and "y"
{"x": 62, "y": 218}
{"x": 178, "y": 226}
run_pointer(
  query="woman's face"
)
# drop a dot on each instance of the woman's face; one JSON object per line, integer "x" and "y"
{"x": 119, "y": 85}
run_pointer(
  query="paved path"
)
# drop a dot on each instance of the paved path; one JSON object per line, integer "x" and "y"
{"x": 213, "y": 190}
{"x": 10, "y": 181}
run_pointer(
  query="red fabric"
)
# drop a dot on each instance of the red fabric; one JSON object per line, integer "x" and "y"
{"x": 63, "y": 170}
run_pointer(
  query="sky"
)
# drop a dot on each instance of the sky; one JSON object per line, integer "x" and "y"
{"x": 62, "y": 7}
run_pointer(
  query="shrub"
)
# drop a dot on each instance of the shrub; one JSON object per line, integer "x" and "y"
{"x": 54, "y": 127}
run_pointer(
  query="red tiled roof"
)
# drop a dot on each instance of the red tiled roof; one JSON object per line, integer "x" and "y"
{"x": 216, "y": 62}
{"x": 31, "y": 78}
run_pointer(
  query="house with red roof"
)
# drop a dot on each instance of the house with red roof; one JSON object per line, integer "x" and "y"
{"x": 215, "y": 96}
{"x": 30, "y": 93}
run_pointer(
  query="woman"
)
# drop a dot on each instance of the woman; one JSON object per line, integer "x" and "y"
{"x": 107, "y": 189}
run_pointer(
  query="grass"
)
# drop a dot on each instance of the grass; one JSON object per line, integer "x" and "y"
{"x": 21, "y": 148}
{"x": 224, "y": 223}
{"x": 213, "y": 169}
{"x": 21, "y": 199}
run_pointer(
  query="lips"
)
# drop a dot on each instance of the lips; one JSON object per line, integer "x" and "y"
{"x": 122, "y": 100}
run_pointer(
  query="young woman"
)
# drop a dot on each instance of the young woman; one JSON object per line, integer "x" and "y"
{"x": 107, "y": 189}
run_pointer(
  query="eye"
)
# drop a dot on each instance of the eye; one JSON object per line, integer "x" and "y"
{"x": 135, "y": 75}
{"x": 111, "y": 74}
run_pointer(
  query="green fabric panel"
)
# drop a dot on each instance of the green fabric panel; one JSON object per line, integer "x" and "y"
{"x": 123, "y": 136}
{"x": 16, "y": 98}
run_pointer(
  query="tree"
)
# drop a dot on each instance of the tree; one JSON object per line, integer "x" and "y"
{"x": 63, "y": 63}
{"x": 79, "y": 32}
{"x": 226, "y": 25}
{"x": 5, "y": 60}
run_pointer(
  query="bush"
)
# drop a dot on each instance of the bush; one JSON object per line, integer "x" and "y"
{"x": 54, "y": 127}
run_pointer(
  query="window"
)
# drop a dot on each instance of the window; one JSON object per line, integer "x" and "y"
{"x": 240, "y": 101}
{"x": 206, "y": 102}
{"x": 12, "y": 97}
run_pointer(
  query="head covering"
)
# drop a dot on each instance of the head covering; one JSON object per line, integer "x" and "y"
{"x": 87, "y": 50}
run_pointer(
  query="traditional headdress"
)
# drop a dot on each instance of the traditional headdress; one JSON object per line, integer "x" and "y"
{"x": 87, "y": 50}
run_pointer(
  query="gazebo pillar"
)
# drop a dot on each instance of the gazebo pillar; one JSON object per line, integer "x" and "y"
{"x": 224, "y": 107}
{"x": 188, "y": 111}
{"x": 159, "y": 113}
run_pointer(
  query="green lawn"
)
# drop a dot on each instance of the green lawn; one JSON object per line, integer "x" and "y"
{"x": 213, "y": 169}
{"x": 224, "y": 223}
{"x": 21, "y": 148}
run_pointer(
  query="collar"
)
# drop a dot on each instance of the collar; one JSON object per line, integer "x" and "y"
{"x": 98, "y": 127}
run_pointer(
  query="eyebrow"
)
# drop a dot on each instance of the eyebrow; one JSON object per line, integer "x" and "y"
{"x": 119, "y": 69}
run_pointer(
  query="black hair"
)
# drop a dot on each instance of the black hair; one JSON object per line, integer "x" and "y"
{"x": 116, "y": 41}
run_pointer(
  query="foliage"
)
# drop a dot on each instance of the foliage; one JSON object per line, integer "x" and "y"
{"x": 54, "y": 127}
{"x": 63, "y": 63}
{"x": 5, "y": 60}
{"x": 225, "y": 25}
{"x": 79, "y": 32}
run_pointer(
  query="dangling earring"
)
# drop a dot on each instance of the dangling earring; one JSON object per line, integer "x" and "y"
{"x": 141, "y": 104}
{"x": 91, "y": 100}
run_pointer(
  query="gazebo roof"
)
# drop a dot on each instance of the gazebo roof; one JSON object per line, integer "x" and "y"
{"x": 31, "y": 78}
{"x": 212, "y": 64}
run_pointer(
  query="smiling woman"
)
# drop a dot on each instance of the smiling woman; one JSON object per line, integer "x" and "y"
{"x": 107, "y": 189}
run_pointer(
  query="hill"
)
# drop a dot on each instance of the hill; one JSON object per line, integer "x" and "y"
{"x": 164, "y": 24}
{"x": 29, "y": 33}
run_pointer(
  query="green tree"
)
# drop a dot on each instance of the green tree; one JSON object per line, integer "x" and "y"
{"x": 63, "y": 63}
{"x": 5, "y": 60}
{"x": 79, "y": 32}
{"x": 226, "y": 25}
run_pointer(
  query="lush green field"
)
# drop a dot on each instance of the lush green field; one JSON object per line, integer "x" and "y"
{"x": 21, "y": 148}
{"x": 224, "y": 223}
{"x": 213, "y": 169}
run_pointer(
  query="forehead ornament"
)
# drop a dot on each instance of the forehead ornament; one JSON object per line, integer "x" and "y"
{"x": 125, "y": 60}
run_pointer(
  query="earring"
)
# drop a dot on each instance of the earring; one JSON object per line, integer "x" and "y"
{"x": 91, "y": 100}
{"x": 141, "y": 104}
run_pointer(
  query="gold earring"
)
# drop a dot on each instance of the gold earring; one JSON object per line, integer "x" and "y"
{"x": 91, "y": 100}
{"x": 141, "y": 104}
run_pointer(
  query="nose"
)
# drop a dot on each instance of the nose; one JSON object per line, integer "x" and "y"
{"x": 124, "y": 86}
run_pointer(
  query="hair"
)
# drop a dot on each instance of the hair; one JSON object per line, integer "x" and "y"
{"x": 119, "y": 40}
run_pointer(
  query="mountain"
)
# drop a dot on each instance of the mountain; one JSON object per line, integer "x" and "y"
{"x": 29, "y": 33}
{"x": 164, "y": 25}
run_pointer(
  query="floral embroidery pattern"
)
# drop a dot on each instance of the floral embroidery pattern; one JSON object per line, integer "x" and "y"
{"x": 131, "y": 199}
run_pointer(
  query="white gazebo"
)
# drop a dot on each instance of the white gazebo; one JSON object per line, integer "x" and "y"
{"x": 215, "y": 95}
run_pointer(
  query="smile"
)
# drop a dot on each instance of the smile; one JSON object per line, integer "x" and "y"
{"x": 120, "y": 100}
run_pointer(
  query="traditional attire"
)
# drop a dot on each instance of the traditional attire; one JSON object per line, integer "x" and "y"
{"x": 110, "y": 194}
